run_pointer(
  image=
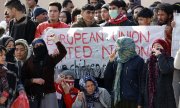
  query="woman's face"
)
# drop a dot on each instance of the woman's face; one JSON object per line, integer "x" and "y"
{"x": 2, "y": 57}
{"x": 90, "y": 87}
{"x": 20, "y": 52}
{"x": 63, "y": 17}
{"x": 10, "y": 45}
{"x": 157, "y": 46}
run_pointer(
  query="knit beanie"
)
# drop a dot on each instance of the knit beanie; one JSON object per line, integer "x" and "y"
{"x": 163, "y": 43}
{"x": 38, "y": 11}
{"x": 68, "y": 72}
{"x": 105, "y": 6}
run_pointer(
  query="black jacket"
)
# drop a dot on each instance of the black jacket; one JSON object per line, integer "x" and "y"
{"x": 25, "y": 28}
{"x": 131, "y": 77}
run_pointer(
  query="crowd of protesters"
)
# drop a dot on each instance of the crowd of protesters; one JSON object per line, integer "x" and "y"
{"x": 129, "y": 81}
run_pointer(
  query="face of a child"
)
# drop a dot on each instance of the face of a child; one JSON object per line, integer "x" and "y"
{"x": 2, "y": 57}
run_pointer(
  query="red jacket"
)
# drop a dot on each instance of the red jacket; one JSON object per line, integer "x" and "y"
{"x": 68, "y": 98}
{"x": 42, "y": 26}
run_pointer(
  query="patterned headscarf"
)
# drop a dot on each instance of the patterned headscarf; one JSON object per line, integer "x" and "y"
{"x": 90, "y": 99}
{"x": 126, "y": 51}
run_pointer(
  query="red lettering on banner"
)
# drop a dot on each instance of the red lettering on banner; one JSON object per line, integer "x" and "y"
{"x": 135, "y": 36}
{"x": 62, "y": 38}
{"x": 142, "y": 51}
{"x": 87, "y": 51}
{"x": 106, "y": 50}
{"x": 92, "y": 37}
{"x": 77, "y": 37}
{"x": 70, "y": 42}
{"x": 69, "y": 50}
{"x": 146, "y": 38}
{"x": 84, "y": 37}
{"x": 77, "y": 52}
{"x": 99, "y": 37}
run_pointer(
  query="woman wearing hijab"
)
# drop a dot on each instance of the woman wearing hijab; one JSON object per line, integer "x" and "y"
{"x": 38, "y": 74}
{"x": 123, "y": 75}
{"x": 91, "y": 96}
{"x": 159, "y": 75}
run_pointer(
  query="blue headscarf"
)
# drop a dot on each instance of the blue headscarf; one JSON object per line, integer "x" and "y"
{"x": 90, "y": 99}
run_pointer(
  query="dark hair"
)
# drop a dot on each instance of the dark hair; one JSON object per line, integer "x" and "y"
{"x": 145, "y": 13}
{"x": 15, "y": 4}
{"x": 176, "y": 7}
{"x": 88, "y": 7}
{"x": 135, "y": 7}
{"x": 65, "y": 3}
{"x": 117, "y": 3}
{"x": 36, "y": 1}
{"x": 75, "y": 12}
{"x": 89, "y": 1}
{"x": 98, "y": 6}
{"x": 57, "y": 4}
{"x": 2, "y": 48}
{"x": 68, "y": 16}
{"x": 166, "y": 7}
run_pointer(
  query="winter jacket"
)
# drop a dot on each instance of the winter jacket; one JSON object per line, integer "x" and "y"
{"x": 43, "y": 26}
{"x": 81, "y": 23}
{"x": 23, "y": 29}
{"x": 131, "y": 85}
{"x": 29, "y": 71}
{"x": 164, "y": 95}
{"x": 104, "y": 98}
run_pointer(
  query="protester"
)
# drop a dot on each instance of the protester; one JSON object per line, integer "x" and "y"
{"x": 135, "y": 11}
{"x": 54, "y": 10}
{"x": 159, "y": 75}
{"x": 97, "y": 15}
{"x": 105, "y": 14}
{"x": 13, "y": 75}
{"x": 21, "y": 27}
{"x": 144, "y": 17}
{"x": 4, "y": 92}
{"x": 39, "y": 15}
{"x": 123, "y": 75}
{"x": 65, "y": 17}
{"x": 75, "y": 13}
{"x": 87, "y": 19}
{"x": 38, "y": 74}
{"x": 65, "y": 86}
{"x": 116, "y": 16}
{"x": 22, "y": 51}
{"x": 164, "y": 14}
{"x": 91, "y": 96}
{"x": 68, "y": 6}
{"x": 31, "y": 5}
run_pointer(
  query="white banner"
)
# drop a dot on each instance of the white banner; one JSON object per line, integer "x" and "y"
{"x": 176, "y": 35}
{"x": 88, "y": 48}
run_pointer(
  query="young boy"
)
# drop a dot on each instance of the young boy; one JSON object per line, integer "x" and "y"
{"x": 144, "y": 17}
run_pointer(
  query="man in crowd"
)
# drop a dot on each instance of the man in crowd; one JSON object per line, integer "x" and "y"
{"x": 98, "y": 17}
{"x": 31, "y": 5}
{"x": 105, "y": 14}
{"x": 53, "y": 22}
{"x": 67, "y": 5}
{"x": 22, "y": 27}
{"x": 87, "y": 20}
{"x": 40, "y": 15}
{"x": 116, "y": 16}
{"x": 144, "y": 17}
